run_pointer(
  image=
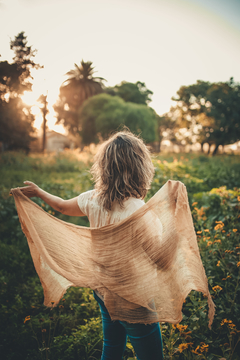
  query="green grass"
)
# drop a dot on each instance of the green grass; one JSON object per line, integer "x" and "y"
{"x": 28, "y": 330}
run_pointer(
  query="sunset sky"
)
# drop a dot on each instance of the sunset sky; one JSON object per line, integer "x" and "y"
{"x": 164, "y": 43}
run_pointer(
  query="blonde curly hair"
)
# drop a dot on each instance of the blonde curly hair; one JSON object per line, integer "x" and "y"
{"x": 122, "y": 169}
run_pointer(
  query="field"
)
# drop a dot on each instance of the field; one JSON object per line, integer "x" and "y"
{"x": 71, "y": 331}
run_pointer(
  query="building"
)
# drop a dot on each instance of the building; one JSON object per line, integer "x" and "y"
{"x": 55, "y": 142}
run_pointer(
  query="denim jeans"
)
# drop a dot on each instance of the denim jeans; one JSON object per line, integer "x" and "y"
{"x": 145, "y": 339}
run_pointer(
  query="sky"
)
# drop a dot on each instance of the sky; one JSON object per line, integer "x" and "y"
{"x": 164, "y": 43}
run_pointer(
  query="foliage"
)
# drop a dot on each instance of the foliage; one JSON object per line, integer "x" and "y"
{"x": 168, "y": 125}
{"x": 80, "y": 85}
{"x": 210, "y": 111}
{"x": 137, "y": 93}
{"x": 103, "y": 114}
{"x": 72, "y": 330}
{"x": 16, "y": 121}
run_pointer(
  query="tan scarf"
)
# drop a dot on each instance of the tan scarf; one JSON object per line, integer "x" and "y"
{"x": 144, "y": 266}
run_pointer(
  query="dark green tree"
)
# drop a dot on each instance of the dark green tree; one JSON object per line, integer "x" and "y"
{"x": 16, "y": 119}
{"x": 103, "y": 114}
{"x": 211, "y": 111}
{"x": 130, "y": 92}
{"x": 79, "y": 86}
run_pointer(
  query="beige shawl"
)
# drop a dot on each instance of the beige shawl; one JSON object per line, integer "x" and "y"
{"x": 144, "y": 266}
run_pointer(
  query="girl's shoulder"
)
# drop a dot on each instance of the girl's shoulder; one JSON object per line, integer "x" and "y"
{"x": 84, "y": 200}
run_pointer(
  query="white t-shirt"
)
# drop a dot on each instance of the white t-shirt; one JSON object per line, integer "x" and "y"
{"x": 98, "y": 216}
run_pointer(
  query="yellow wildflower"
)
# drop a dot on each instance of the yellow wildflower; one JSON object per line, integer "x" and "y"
{"x": 182, "y": 327}
{"x": 231, "y": 326}
{"x": 234, "y": 230}
{"x": 27, "y": 318}
{"x": 238, "y": 264}
{"x": 195, "y": 203}
{"x": 209, "y": 243}
{"x": 199, "y": 232}
{"x": 200, "y": 212}
{"x": 238, "y": 198}
{"x": 196, "y": 350}
{"x": 184, "y": 346}
{"x": 219, "y": 226}
{"x": 217, "y": 287}
{"x": 224, "y": 321}
{"x": 206, "y": 230}
{"x": 204, "y": 347}
{"x": 217, "y": 241}
{"x": 218, "y": 263}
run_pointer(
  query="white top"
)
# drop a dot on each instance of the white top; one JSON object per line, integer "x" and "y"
{"x": 98, "y": 216}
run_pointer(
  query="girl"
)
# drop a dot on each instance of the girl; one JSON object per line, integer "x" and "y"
{"x": 123, "y": 172}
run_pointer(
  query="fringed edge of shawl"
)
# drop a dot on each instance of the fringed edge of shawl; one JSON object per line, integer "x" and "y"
{"x": 211, "y": 310}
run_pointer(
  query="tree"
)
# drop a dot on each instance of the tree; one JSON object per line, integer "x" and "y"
{"x": 16, "y": 125}
{"x": 44, "y": 110}
{"x": 166, "y": 123}
{"x": 211, "y": 111}
{"x": 103, "y": 114}
{"x": 130, "y": 92}
{"x": 16, "y": 120}
{"x": 80, "y": 85}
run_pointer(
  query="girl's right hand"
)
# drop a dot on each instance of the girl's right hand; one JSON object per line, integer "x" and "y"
{"x": 32, "y": 190}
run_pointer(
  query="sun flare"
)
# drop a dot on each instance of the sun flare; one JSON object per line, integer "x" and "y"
{"x": 30, "y": 98}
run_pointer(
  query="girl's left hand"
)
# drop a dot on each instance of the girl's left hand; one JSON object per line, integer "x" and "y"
{"x": 31, "y": 190}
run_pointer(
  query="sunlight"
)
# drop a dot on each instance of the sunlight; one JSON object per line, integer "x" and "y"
{"x": 30, "y": 98}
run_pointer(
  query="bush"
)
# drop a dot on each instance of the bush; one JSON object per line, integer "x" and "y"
{"x": 72, "y": 330}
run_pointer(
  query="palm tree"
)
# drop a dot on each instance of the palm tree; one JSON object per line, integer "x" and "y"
{"x": 82, "y": 81}
{"x": 79, "y": 86}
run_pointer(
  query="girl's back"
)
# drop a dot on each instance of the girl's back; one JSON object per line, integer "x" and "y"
{"x": 98, "y": 216}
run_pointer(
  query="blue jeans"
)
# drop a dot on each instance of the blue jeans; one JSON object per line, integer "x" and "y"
{"x": 145, "y": 339}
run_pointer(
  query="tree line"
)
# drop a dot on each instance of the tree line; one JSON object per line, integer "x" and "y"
{"x": 205, "y": 112}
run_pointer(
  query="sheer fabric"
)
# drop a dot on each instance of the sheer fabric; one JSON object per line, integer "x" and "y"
{"x": 144, "y": 266}
{"x": 98, "y": 216}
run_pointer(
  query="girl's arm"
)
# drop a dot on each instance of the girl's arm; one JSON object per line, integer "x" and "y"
{"x": 67, "y": 207}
